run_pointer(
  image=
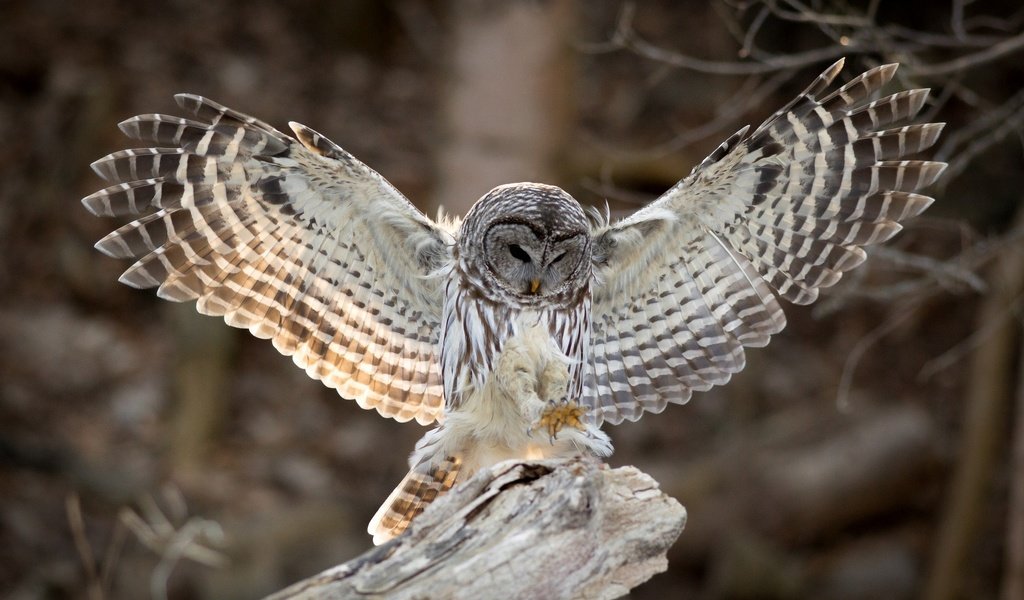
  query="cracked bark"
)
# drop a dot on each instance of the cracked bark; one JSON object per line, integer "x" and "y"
{"x": 537, "y": 529}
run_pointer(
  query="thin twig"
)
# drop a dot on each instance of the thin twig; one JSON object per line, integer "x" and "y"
{"x": 625, "y": 36}
{"x": 755, "y": 26}
{"x": 112, "y": 555}
{"x": 743, "y": 102}
{"x": 172, "y": 543}
{"x": 995, "y": 52}
{"x": 991, "y": 128}
{"x": 941, "y": 40}
{"x": 801, "y": 13}
{"x": 956, "y": 354}
{"x": 864, "y": 344}
{"x": 73, "y": 508}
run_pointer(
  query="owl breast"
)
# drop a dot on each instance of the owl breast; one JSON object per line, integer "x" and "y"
{"x": 479, "y": 335}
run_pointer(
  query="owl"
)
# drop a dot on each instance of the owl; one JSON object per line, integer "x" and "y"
{"x": 525, "y": 327}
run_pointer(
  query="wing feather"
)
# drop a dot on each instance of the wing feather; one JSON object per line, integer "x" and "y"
{"x": 292, "y": 239}
{"x": 782, "y": 211}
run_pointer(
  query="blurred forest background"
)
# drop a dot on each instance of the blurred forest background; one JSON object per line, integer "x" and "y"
{"x": 874, "y": 450}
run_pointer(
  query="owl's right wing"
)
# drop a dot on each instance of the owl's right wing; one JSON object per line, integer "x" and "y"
{"x": 685, "y": 283}
{"x": 294, "y": 240}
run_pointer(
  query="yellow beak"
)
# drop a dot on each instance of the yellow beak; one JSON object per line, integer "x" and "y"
{"x": 534, "y": 285}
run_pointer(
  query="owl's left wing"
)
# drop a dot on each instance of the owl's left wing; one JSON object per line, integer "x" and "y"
{"x": 294, "y": 240}
{"x": 685, "y": 283}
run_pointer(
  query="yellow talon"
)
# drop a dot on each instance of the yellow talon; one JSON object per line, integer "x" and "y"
{"x": 563, "y": 414}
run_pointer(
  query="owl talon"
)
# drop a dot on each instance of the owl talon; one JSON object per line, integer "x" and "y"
{"x": 561, "y": 414}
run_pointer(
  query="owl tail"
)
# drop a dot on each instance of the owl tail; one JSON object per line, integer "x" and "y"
{"x": 425, "y": 482}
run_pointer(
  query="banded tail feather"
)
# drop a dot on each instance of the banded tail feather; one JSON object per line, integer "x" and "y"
{"x": 421, "y": 486}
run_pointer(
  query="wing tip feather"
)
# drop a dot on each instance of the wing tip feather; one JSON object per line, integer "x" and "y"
{"x": 834, "y": 69}
{"x": 93, "y": 204}
{"x": 931, "y": 171}
{"x": 189, "y": 101}
{"x": 107, "y": 246}
{"x": 917, "y": 99}
{"x": 130, "y": 126}
{"x": 99, "y": 167}
{"x": 131, "y": 278}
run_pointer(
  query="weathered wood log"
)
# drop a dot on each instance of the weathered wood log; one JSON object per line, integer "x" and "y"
{"x": 539, "y": 529}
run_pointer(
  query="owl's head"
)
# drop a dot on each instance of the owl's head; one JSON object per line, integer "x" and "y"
{"x": 530, "y": 240}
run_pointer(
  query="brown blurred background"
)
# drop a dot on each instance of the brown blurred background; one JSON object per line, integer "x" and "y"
{"x": 868, "y": 452}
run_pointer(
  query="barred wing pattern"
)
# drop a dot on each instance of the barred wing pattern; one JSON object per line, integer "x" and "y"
{"x": 685, "y": 283}
{"x": 296, "y": 241}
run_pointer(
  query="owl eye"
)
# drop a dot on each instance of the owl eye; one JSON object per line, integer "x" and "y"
{"x": 517, "y": 252}
{"x": 558, "y": 258}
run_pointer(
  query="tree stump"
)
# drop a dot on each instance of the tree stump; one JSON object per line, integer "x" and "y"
{"x": 521, "y": 529}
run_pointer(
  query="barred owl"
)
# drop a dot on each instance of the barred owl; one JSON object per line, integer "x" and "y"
{"x": 526, "y": 327}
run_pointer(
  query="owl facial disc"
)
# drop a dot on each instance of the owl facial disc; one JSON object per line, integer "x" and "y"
{"x": 534, "y": 242}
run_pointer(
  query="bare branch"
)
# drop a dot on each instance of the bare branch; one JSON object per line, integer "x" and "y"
{"x": 626, "y": 37}
{"x": 995, "y": 52}
{"x": 190, "y": 541}
{"x": 825, "y": 23}
{"x": 861, "y": 348}
{"x": 98, "y": 576}
{"x": 1006, "y": 24}
{"x": 957, "y": 19}
{"x": 940, "y": 40}
{"x": 748, "y": 39}
{"x": 947, "y": 273}
{"x": 744, "y": 101}
{"x": 990, "y": 128}
{"x": 957, "y": 353}
{"x": 73, "y": 508}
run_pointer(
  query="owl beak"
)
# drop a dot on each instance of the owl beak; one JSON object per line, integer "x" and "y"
{"x": 534, "y": 285}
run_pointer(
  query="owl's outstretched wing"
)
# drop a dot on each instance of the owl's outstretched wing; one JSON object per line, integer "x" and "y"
{"x": 686, "y": 282}
{"x": 294, "y": 240}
